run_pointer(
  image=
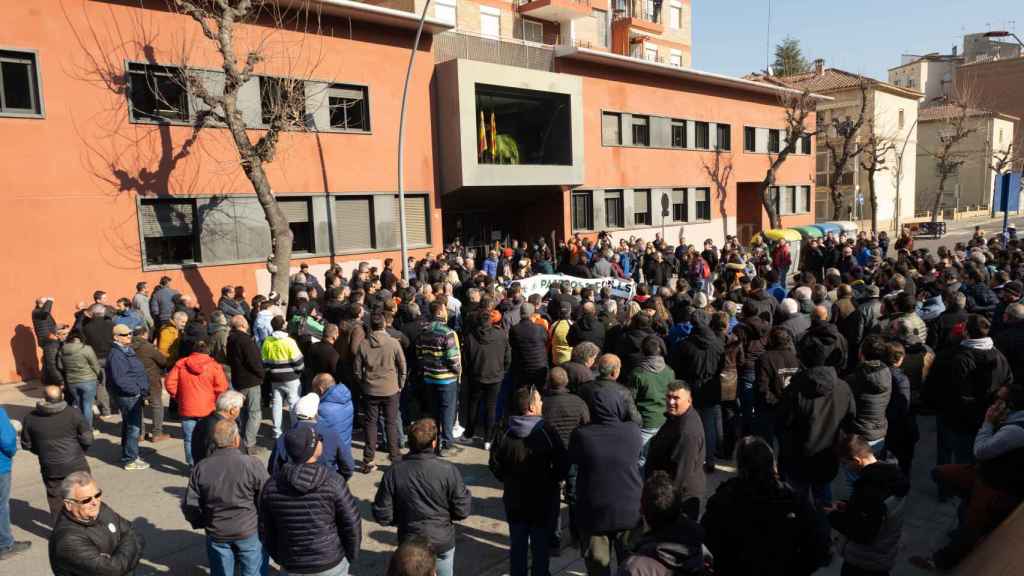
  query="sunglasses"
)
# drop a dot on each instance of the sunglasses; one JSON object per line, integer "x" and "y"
{"x": 85, "y": 501}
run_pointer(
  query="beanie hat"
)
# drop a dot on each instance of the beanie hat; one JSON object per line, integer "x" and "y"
{"x": 307, "y": 406}
{"x": 300, "y": 444}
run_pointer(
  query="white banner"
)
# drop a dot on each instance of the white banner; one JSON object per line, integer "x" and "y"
{"x": 540, "y": 284}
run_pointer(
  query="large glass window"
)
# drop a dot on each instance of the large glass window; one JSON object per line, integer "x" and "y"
{"x": 283, "y": 98}
{"x": 611, "y": 129}
{"x": 679, "y": 133}
{"x": 724, "y": 136}
{"x": 168, "y": 231}
{"x": 749, "y": 139}
{"x": 613, "y": 209}
{"x": 19, "y": 92}
{"x": 773, "y": 140}
{"x": 349, "y": 108}
{"x": 298, "y": 212}
{"x": 642, "y": 207}
{"x": 518, "y": 126}
{"x": 641, "y": 131}
{"x": 679, "y": 207}
{"x": 490, "y": 22}
{"x": 582, "y": 210}
{"x": 702, "y": 204}
{"x": 157, "y": 93}
{"x": 702, "y": 135}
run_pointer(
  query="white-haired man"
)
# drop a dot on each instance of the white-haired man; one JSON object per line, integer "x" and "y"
{"x": 229, "y": 406}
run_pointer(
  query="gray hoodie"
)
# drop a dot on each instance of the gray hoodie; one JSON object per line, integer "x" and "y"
{"x": 991, "y": 442}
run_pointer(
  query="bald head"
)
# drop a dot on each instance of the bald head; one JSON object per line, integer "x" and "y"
{"x": 608, "y": 366}
{"x": 52, "y": 393}
{"x": 238, "y": 322}
{"x": 821, "y": 313}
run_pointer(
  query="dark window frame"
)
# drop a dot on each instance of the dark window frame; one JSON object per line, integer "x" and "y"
{"x": 678, "y": 133}
{"x": 587, "y": 218}
{"x": 334, "y": 93}
{"x": 615, "y": 218}
{"x": 153, "y": 245}
{"x": 150, "y": 75}
{"x": 640, "y": 125}
{"x": 749, "y": 139}
{"x": 617, "y": 117}
{"x": 642, "y": 218}
{"x": 774, "y": 141}
{"x": 10, "y": 57}
{"x": 701, "y": 135}
{"x": 274, "y": 85}
{"x": 726, "y": 131}
{"x": 702, "y": 208}
{"x": 680, "y": 210}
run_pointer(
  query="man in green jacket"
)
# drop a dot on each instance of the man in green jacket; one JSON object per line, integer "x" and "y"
{"x": 649, "y": 383}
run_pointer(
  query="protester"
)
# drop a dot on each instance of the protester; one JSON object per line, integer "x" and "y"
{"x": 9, "y": 547}
{"x": 334, "y": 454}
{"x": 247, "y": 374}
{"x": 127, "y": 380}
{"x": 488, "y": 358}
{"x": 673, "y": 543}
{"x": 195, "y": 382}
{"x": 222, "y": 496}
{"x": 89, "y": 537}
{"x": 228, "y": 406}
{"x": 438, "y": 356}
{"x": 678, "y": 449}
{"x": 81, "y": 373}
{"x": 284, "y": 363}
{"x": 424, "y": 496}
{"x": 649, "y": 385}
{"x": 381, "y": 371}
{"x": 608, "y": 370}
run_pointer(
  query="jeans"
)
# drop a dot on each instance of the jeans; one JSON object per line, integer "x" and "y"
{"x": 131, "y": 426}
{"x": 645, "y": 439}
{"x": 339, "y": 570}
{"x": 85, "y": 396}
{"x": 445, "y": 563}
{"x": 444, "y": 400}
{"x": 188, "y": 425}
{"x": 281, "y": 389}
{"x": 822, "y": 497}
{"x": 952, "y": 447}
{"x": 252, "y": 415}
{"x": 711, "y": 416}
{"x": 374, "y": 404}
{"x": 527, "y": 539}
{"x": 6, "y": 539}
{"x": 248, "y": 552}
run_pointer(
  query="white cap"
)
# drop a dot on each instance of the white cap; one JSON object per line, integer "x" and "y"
{"x": 307, "y": 406}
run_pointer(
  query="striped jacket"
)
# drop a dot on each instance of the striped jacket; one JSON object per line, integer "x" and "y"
{"x": 282, "y": 358}
{"x": 438, "y": 355}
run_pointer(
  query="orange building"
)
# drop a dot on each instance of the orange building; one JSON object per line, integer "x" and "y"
{"x": 105, "y": 185}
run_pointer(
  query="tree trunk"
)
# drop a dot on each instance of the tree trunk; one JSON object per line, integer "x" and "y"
{"x": 873, "y": 198}
{"x": 937, "y": 204}
{"x": 773, "y": 216}
{"x": 837, "y": 201}
{"x": 725, "y": 218}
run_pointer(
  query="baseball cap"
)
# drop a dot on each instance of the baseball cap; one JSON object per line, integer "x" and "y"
{"x": 307, "y": 406}
{"x": 300, "y": 444}
{"x": 122, "y": 330}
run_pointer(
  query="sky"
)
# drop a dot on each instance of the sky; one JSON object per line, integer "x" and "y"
{"x": 863, "y": 36}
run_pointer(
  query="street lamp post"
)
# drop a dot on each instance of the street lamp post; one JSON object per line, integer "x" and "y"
{"x": 401, "y": 146}
{"x": 1003, "y": 34}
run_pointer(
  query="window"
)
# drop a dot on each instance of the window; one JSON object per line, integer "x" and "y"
{"x": 523, "y": 126}
{"x": 805, "y": 144}
{"x": 157, "y": 93}
{"x": 582, "y": 211}
{"x": 679, "y": 205}
{"x": 613, "y": 209}
{"x": 702, "y": 136}
{"x": 785, "y": 199}
{"x": 651, "y": 10}
{"x": 19, "y": 83}
{"x": 298, "y": 212}
{"x": 749, "y": 139}
{"x": 445, "y": 11}
{"x": 679, "y": 133}
{"x": 773, "y": 140}
{"x": 675, "y": 58}
{"x": 349, "y": 108}
{"x": 641, "y": 131}
{"x": 604, "y": 38}
{"x": 1000, "y": 135}
{"x": 724, "y": 137}
{"x": 417, "y": 229}
{"x": 284, "y": 99}
{"x": 490, "y": 22}
{"x": 533, "y": 31}
{"x": 675, "y": 15}
{"x": 702, "y": 203}
{"x": 901, "y": 119}
{"x": 803, "y": 203}
{"x": 650, "y": 53}
{"x": 642, "y": 207}
{"x": 353, "y": 223}
{"x": 168, "y": 231}
{"x": 611, "y": 129}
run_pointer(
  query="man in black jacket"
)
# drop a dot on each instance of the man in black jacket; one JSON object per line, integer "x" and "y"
{"x": 530, "y": 460}
{"x": 673, "y": 543}
{"x": 98, "y": 331}
{"x": 424, "y": 496}
{"x": 246, "y": 377}
{"x": 565, "y": 412}
{"x": 699, "y": 361}
{"x": 58, "y": 435}
{"x": 827, "y": 335}
{"x": 1010, "y": 340}
{"x": 89, "y": 538}
{"x": 308, "y": 520}
{"x": 227, "y": 407}
{"x": 608, "y": 369}
{"x": 221, "y": 498}
{"x": 605, "y": 453}
{"x": 529, "y": 350}
{"x": 579, "y": 370}
{"x": 45, "y": 328}
{"x": 588, "y": 328}
{"x": 678, "y": 448}
{"x": 321, "y": 358}
{"x": 488, "y": 358}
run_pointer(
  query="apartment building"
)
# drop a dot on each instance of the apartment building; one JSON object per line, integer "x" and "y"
{"x": 107, "y": 181}
{"x": 892, "y": 113}
{"x": 972, "y": 185}
{"x": 932, "y": 74}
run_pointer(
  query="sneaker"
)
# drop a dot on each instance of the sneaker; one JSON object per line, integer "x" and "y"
{"x": 457, "y": 431}
{"x": 15, "y": 549}
{"x": 136, "y": 465}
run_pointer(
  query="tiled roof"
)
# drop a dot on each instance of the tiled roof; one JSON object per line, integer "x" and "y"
{"x": 945, "y": 110}
{"x": 829, "y": 80}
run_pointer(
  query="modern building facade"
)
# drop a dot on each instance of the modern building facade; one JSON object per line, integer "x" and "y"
{"x": 107, "y": 182}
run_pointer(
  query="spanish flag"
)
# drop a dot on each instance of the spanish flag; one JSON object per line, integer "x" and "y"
{"x": 483, "y": 134}
{"x": 494, "y": 136}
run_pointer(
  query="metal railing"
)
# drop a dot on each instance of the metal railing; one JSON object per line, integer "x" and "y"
{"x": 585, "y": 4}
{"x": 508, "y": 51}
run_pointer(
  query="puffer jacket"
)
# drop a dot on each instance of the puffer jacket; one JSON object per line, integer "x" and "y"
{"x": 308, "y": 520}
{"x": 78, "y": 363}
{"x": 195, "y": 382}
{"x": 529, "y": 347}
{"x": 968, "y": 381}
{"x": 587, "y": 329}
{"x": 980, "y": 298}
{"x": 530, "y": 460}
{"x": 826, "y": 337}
{"x": 379, "y": 364}
{"x": 488, "y": 354}
{"x": 423, "y": 495}
{"x": 871, "y": 385}
{"x": 815, "y": 407}
{"x": 336, "y": 411}
{"x": 105, "y": 546}
{"x": 152, "y": 360}
{"x": 775, "y": 369}
{"x": 58, "y": 434}
{"x": 565, "y": 412}
{"x": 873, "y": 518}
{"x": 699, "y": 360}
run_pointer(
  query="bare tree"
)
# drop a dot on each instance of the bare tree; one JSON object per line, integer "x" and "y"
{"x": 720, "y": 171}
{"x": 876, "y": 149}
{"x": 843, "y": 141}
{"x": 799, "y": 107}
{"x": 950, "y": 155}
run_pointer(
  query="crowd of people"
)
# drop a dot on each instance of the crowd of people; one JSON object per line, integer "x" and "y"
{"x": 801, "y": 372}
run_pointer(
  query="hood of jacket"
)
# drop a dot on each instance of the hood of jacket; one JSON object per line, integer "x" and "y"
{"x": 825, "y": 332}
{"x": 303, "y": 478}
{"x": 486, "y": 333}
{"x": 704, "y": 338}
{"x": 888, "y": 475}
{"x": 679, "y": 556}
{"x": 522, "y": 426}
{"x": 816, "y": 382}
{"x": 931, "y": 308}
{"x": 652, "y": 364}
{"x": 337, "y": 394}
{"x": 608, "y": 405}
{"x": 45, "y": 408}
{"x": 875, "y": 374}
{"x": 197, "y": 362}
{"x": 71, "y": 348}
{"x": 754, "y": 327}
{"x": 376, "y": 338}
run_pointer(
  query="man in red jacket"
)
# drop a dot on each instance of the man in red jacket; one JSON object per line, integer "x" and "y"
{"x": 195, "y": 382}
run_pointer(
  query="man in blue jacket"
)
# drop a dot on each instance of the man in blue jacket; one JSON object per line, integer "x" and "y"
{"x": 336, "y": 410}
{"x": 8, "y": 446}
{"x": 127, "y": 383}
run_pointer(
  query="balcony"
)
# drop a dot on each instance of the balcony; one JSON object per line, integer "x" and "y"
{"x": 555, "y": 10}
{"x": 639, "y": 15}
